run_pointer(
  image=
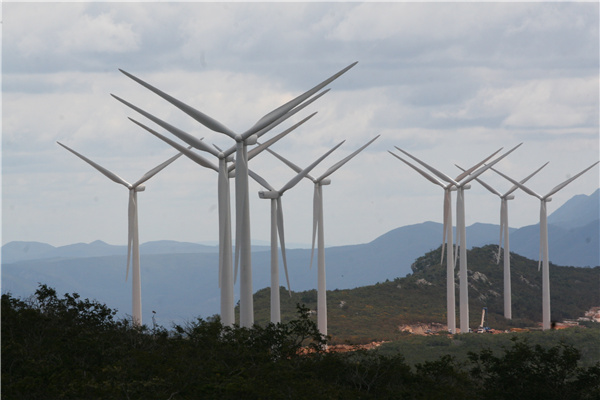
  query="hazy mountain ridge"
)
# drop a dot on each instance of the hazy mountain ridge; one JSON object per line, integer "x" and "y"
{"x": 21, "y": 251}
{"x": 577, "y": 211}
{"x": 184, "y": 283}
{"x": 374, "y": 312}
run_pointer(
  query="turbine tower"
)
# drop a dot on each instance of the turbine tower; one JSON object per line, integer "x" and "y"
{"x": 544, "y": 259}
{"x": 277, "y": 227}
{"x": 461, "y": 183}
{"x": 249, "y": 137}
{"x": 446, "y": 235}
{"x": 504, "y": 231}
{"x": 226, "y": 277}
{"x": 133, "y": 243}
{"x": 318, "y": 225}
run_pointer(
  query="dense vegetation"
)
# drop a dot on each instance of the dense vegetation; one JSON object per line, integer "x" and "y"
{"x": 68, "y": 348}
{"x": 375, "y": 312}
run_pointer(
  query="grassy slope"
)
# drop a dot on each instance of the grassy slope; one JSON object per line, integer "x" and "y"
{"x": 418, "y": 349}
{"x": 375, "y": 312}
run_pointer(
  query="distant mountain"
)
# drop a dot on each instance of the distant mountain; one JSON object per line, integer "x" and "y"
{"x": 179, "y": 280}
{"x": 17, "y": 251}
{"x": 374, "y": 312}
{"x": 21, "y": 251}
{"x": 579, "y": 211}
{"x": 576, "y": 246}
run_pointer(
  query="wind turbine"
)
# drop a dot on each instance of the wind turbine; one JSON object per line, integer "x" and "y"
{"x": 504, "y": 229}
{"x": 318, "y": 226}
{"x": 462, "y": 183}
{"x": 447, "y": 234}
{"x": 226, "y": 277}
{"x": 249, "y": 137}
{"x": 277, "y": 227}
{"x": 544, "y": 259}
{"x": 133, "y": 243}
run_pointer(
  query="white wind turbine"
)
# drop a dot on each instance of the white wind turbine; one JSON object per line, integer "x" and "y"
{"x": 318, "y": 226}
{"x": 277, "y": 227}
{"x": 249, "y": 137}
{"x": 461, "y": 184}
{"x": 544, "y": 259}
{"x": 504, "y": 231}
{"x": 447, "y": 236}
{"x": 133, "y": 243}
{"x": 226, "y": 278}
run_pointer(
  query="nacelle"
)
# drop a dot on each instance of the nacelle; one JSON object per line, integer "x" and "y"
{"x": 325, "y": 181}
{"x": 268, "y": 195}
{"x": 510, "y": 197}
{"x": 251, "y": 140}
{"x": 140, "y": 188}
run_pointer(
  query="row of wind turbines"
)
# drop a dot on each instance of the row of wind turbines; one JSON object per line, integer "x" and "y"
{"x": 233, "y": 163}
{"x": 459, "y": 184}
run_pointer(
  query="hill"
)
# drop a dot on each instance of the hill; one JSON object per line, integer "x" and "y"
{"x": 377, "y": 311}
{"x": 179, "y": 280}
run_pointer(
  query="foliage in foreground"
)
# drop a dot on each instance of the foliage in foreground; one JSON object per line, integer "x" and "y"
{"x": 71, "y": 348}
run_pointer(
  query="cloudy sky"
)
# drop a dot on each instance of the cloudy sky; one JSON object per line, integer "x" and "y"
{"x": 450, "y": 83}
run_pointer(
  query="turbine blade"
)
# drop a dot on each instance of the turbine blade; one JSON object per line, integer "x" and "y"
{"x": 515, "y": 187}
{"x": 339, "y": 164}
{"x": 565, "y": 183}
{"x": 316, "y": 210}
{"x": 186, "y": 137}
{"x": 473, "y": 168}
{"x": 502, "y": 227}
{"x": 459, "y": 222}
{"x": 204, "y": 119}
{"x": 240, "y": 198}
{"x": 430, "y": 178}
{"x": 222, "y": 200}
{"x": 195, "y": 157}
{"x": 542, "y": 207}
{"x": 445, "y": 225}
{"x": 260, "y": 180}
{"x": 258, "y": 149}
{"x": 288, "y": 115}
{"x": 482, "y": 183}
{"x": 157, "y": 169}
{"x": 518, "y": 184}
{"x": 286, "y": 161}
{"x": 294, "y": 181}
{"x": 113, "y": 177}
{"x": 291, "y": 164}
{"x": 439, "y": 174}
{"x": 130, "y": 224}
{"x": 280, "y": 111}
{"x": 282, "y": 241}
{"x": 488, "y": 166}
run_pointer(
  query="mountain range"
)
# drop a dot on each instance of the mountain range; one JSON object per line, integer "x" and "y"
{"x": 179, "y": 280}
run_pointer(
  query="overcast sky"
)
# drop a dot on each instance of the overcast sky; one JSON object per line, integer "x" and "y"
{"x": 450, "y": 83}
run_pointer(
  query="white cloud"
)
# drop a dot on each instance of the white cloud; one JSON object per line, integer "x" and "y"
{"x": 100, "y": 33}
{"x": 487, "y": 76}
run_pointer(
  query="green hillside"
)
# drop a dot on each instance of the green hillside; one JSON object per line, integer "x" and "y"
{"x": 375, "y": 312}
